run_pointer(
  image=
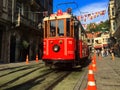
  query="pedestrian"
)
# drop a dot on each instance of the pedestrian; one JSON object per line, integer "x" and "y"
{"x": 112, "y": 54}
{"x": 107, "y": 52}
{"x": 102, "y": 52}
{"x": 99, "y": 54}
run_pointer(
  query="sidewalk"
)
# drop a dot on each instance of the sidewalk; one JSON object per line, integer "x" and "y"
{"x": 108, "y": 74}
{"x": 18, "y": 64}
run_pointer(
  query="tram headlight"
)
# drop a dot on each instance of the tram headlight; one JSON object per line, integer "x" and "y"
{"x": 56, "y": 48}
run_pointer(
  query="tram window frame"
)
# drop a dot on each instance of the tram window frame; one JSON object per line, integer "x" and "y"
{"x": 76, "y": 30}
{"x": 68, "y": 27}
{"x": 52, "y": 28}
{"x": 45, "y": 28}
{"x": 71, "y": 27}
{"x": 60, "y": 31}
{"x": 56, "y": 28}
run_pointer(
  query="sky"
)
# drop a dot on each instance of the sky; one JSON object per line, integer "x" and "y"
{"x": 81, "y": 7}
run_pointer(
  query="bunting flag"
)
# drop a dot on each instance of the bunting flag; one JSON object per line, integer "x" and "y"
{"x": 91, "y": 16}
{"x": 84, "y": 26}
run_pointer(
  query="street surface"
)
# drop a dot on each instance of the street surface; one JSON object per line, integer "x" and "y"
{"x": 36, "y": 76}
{"x": 108, "y": 74}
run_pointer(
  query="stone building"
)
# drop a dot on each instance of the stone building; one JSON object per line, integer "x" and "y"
{"x": 117, "y": 28}
{"x": 111, "y": 13}
{"x": 20, "y": 28}
{"x": 98, "y": 40}
{"x": 117, "y": 20}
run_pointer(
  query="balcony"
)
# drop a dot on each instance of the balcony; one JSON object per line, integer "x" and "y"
{"x": 21, "y": 21}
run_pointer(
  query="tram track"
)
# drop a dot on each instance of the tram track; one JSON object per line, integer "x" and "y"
{"x": 12, "y": 67}
{"x": 82, "y": 82}
{"x": 8, "y": 72}
{"x": 30, "y": 83}
{"x": 47, "y": 81}
{"x": 37, "y": 77}
{"x": 17, "y": 78}
{"x": 57, "y": 80}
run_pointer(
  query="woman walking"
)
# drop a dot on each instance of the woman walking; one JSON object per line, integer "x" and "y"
{"x": 112, "y": 54}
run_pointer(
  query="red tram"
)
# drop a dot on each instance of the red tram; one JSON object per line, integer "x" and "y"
{"x": 65, "y": 41}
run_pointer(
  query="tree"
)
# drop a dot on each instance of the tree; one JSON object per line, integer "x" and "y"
{"x": 102, "y": 26}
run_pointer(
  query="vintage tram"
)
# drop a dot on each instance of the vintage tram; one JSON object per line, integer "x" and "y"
{"x": 65, "y": 41}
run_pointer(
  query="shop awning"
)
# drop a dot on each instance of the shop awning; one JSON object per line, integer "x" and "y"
{"x": 98, "y": 46}
{"x": 105, "y": 45}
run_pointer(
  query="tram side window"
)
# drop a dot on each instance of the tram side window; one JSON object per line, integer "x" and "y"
{"x": 45, "y": 29}
{"x": 60, "y": 28}
{"x": 52, "y": 29}
{"x": 68, "y": 27}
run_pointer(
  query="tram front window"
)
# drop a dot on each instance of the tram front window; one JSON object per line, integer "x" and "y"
{"x": 56, "y": 28}
{"x": 52, "y": 29}
{"x": 60, "y": 28}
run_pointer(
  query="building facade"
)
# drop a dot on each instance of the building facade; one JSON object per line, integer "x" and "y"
{"x": 117, "y": 31}
{"x": 98, "y": 40}
{"x": 20, "y": 28}
{"x": 111, "y": 12}
{"x": 117, "y": 19}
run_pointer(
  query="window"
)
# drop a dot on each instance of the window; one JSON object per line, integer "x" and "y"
{"x": 45, "y": 29}
{"x": 68, "y": 27}
{"x": 92, "y": 40}
{"x": 52, "y": 28}
{"x": 60, "y": 27}
{"x": 96, "y": 41}
{"x": 113, "y": 25}
{"x": 88, "y": 40}
{"x": 57, "y": 25}
{"x": 113, "y": 11}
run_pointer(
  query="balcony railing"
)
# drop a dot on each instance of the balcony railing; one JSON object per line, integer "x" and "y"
{"x": 23, "y": 21}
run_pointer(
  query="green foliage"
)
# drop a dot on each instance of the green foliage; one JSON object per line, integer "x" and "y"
{"x": 103, "y": 26}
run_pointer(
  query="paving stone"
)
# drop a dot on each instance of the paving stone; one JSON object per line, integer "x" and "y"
{"x": 108, "y": 74}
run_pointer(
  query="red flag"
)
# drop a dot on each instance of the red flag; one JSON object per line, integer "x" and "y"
{"x": 84, "y": 19}
{"x": 79, "y": 17}
{"x": 85, "y": 15}
{"x": 89, "y": 15}
{"x": 102, "y": 12}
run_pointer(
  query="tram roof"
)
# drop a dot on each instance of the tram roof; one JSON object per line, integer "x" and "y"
{"x": 55, "y": 16}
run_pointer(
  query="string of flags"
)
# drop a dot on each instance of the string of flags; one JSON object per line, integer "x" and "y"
{"x": 91, "y": 16}
{"x": 85, "y": 26}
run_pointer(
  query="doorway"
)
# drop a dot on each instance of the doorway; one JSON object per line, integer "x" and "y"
{"x": 12, "y": 48}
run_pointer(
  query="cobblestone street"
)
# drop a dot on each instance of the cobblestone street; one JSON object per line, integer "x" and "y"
{"x": 108, "y": 74}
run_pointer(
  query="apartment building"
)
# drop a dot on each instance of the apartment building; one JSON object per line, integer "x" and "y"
{"x": 117, "y": 20}
{"x": 20, "y": 28}
{"x": 111, "y": 13}
{"x": 98, "y": 40}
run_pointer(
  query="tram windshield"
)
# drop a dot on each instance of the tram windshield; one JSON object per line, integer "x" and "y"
{"x": 56, "y": 28}
{"x": 52, "y": 28}
{"x": 60, "y": 28}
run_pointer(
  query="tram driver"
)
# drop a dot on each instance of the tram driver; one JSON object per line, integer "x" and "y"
{"x": 52, "y": 31}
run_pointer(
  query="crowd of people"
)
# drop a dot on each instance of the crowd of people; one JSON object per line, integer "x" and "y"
{"x": 105, "y": 52}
